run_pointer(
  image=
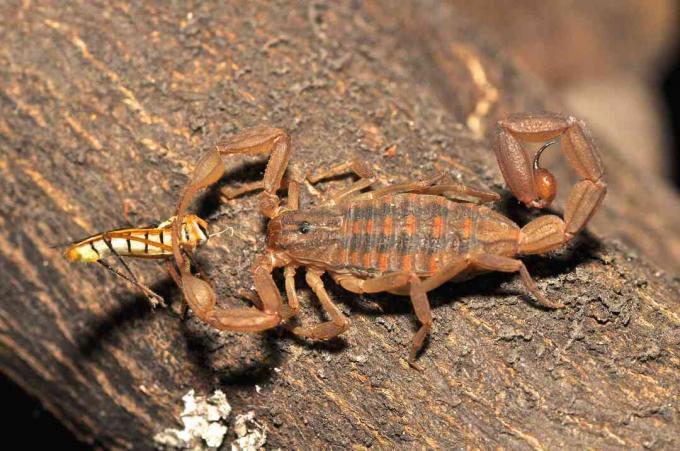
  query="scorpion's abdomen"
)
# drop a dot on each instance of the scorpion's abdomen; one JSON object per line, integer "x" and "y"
{"x": 407, "y": 232}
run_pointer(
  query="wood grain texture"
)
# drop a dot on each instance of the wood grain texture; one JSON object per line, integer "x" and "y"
{"x": 105, "y": 105}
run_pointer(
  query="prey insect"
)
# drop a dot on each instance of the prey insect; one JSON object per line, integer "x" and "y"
{"x": 405, "y": 239}
{"x": 146, "y": 243}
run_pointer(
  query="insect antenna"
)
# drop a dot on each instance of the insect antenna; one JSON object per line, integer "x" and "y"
{"x": 226, "y": 229}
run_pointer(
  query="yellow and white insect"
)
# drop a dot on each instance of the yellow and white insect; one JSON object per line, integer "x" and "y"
{"x": 153, "y": 242}
{"x": 150, "y": 243}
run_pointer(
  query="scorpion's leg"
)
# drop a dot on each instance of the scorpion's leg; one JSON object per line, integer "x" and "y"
{"x": 500, "y": 263}
{"x": 489, "y": 262}
{"x": 460, "y": 192}
{"x": 293, "y": 303}
{"x": 398, "y": 283}
{"x": 535, "y": 186}
{"x": 229, "y": 192}
{"x": 454, "y": 191}
{"x": 359, "y": 167}
{"x": 385, "y": 282}
{"x": 329, "y": 329}
{"x": 421, "y": 305}
{"x": 398, "y": 188}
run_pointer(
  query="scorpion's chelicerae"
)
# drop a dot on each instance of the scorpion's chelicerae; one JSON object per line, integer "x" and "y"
{"x": 405, "y": 239}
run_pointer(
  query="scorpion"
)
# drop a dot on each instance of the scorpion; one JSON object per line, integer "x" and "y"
{"x": 404, "y": 239}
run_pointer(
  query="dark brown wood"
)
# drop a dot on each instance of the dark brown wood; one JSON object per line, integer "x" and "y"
{"x": 104, "y": 107}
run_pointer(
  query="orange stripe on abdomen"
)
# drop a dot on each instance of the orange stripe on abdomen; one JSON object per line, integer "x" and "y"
{"x": 467, "y": 228}
{"x": 382, "y": 261}
{"x": 406, "y": 263}
{"x": 387, "y": 225}
{"x": 410, "y": 225}
{"x": 437, "y": 226}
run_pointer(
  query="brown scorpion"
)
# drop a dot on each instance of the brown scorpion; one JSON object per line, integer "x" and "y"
{"x": 405, "y": 239}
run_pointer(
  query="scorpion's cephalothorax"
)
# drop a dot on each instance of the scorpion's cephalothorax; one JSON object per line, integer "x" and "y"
{"x": 310, "y": 236}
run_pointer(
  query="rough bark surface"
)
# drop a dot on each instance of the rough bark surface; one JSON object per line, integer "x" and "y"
{"x": 103, "y": 108}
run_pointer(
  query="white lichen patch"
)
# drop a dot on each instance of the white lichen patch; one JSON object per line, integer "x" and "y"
{"x": 248, "y": 438}
{"x": 204, "y": 420}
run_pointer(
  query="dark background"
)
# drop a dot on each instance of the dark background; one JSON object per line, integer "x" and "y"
{"x": 670, "y": 89}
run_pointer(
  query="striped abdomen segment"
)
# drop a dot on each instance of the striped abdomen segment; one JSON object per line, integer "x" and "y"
{"x": 142, "y": 243}
{"x": 405, "y": 232}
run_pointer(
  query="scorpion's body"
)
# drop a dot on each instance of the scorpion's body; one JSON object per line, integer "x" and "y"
{"x": 402, "y": 233}
{"x": 407, "y": 238}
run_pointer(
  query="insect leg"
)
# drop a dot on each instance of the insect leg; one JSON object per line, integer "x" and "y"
{"x": 153, "y": 298}
{"x": 170, "y": 267}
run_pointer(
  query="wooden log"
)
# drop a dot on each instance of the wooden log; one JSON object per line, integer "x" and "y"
{"x": 105, "y": 107}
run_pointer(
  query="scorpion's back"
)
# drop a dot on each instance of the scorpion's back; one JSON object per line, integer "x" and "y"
{"x": 417, "y": 233}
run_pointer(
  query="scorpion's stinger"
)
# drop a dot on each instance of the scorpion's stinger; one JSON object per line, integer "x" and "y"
{"x": 544, "y": 181}
{"x": 537, "y": 158}
{"x": 536, "y": 187}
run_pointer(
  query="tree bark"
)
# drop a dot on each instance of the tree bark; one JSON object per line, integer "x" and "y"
{"x": 105, "y": 107}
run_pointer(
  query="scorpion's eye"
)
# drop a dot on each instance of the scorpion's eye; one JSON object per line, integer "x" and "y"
{"x": 305, "y": 227}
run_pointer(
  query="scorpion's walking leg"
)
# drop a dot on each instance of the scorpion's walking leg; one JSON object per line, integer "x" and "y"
{"x": 453, "y": 191}
{"x": 386, "y": 282}
{"x": 421, "y": 306}
{"x": 357, "y": 166}
{"x": 499, "y": 263}
{"x": 293, "y": 303}
{"x": 329, "y": 329}
{"x": 397, "y": 283}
